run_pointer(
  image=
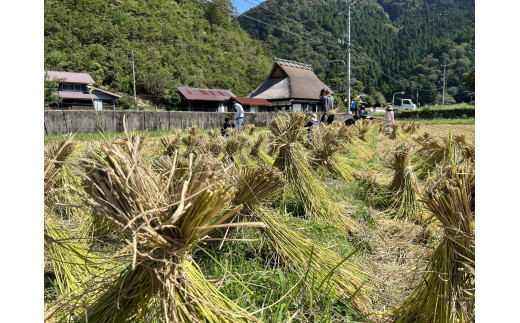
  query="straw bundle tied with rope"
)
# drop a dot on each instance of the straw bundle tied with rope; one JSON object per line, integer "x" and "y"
{"x": 259, "y": 153}
{"x": 447, "y": 293}
{"x": 310, "y": 192}
{"x": 404, "y": 185}
{"x": 255, "y": 186}
{"x": 433, "y": 153}
{"x": 396, "y": 132}
{"x": 412, "y": 127}
{"x": 161, "y": 220}
{"x": 323, "y": 144}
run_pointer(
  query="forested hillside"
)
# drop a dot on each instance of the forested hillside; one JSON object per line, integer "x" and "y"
{"x": 176, "y": 43}
{"x": 396, "y": 45}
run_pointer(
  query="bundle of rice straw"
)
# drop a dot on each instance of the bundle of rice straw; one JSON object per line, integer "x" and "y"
{"x": 465, "y": 149}
{"x": 171, "y": 143}
{"x": 71, "y": 261}
{"x": 256, "y": 185}
{"x": 403, "y": 186}
{"x": 309, "y": 191}
{"x": 363, "y": 127}
{"x": 259, "y": 153}
{"x": 250, "y": 129}
{"x": 433, "y": 153}
{"x": 161, "y": 220}
{"x": 396, "y": 131}
{"x": 343, "y": 132}
{"x": 323, "y": 145}
{"x": 68, "y": 258}
{"x": 412, "y": 127}
{"x": 447, "y": 292}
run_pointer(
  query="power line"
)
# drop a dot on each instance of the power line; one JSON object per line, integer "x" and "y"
{"x": 389, "y": 76}
{"x": 290, "y": 19}
{"x": 276, "y": 27}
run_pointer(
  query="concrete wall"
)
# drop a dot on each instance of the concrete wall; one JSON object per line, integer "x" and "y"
{"x": 62, "y": 122}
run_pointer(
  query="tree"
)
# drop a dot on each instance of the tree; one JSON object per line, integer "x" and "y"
{"x": 50, "y": 92}
{"x": 468, "y": 79}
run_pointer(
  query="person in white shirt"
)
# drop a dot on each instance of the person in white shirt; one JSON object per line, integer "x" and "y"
{"x": 240, "y": 115}
{"x": 389, "y": 117}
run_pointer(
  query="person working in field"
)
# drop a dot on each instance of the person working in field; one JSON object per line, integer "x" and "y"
{"x": 240, "y": 115}
{"x": 328, "y": 105}
{"x": 389, "y": 117}
{"x": 312, "y": 122}
{"x": 227, "y": 124}
{"x": 351, "y": 121}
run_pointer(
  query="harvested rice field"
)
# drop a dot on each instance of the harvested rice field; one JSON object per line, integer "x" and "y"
{"x": 286, "y": 224}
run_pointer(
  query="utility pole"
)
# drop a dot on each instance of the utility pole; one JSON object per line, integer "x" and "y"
{"x": 133, "y": 75}
{"x": 444, "y": 85}
{"x": 350, "y": 3}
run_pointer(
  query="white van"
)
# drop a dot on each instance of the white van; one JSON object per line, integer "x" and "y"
{"x": 406, "y": 104}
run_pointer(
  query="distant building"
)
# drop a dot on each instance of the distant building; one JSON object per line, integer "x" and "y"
{"x": 291, "y": 86}
{"x": 77, "y": 92}
{"x": 253, "y": 105}
{"x": 208, "y": 100}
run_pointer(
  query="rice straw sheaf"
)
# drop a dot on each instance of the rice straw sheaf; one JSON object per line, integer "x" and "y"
{"x": 465, "y": 149}
{"x": 71, "y": 261}
{"x": 259, "y": 153}
{"x": 255, "y": 186}
{"x": 161, "y": 220}
{"x": 310, "y": 192}
{"x": 396, "y": 131}
{"x": 323, "y": 145}
{"x": 413, "y": 127}
{"x": 434, "y": 152}
{"x": 404, "y": 185}
{"x": 55, "y": 154}
{"x": 363, "y": 127}
{"x": 171, "y": 143}
{"x": 447, "y": 293}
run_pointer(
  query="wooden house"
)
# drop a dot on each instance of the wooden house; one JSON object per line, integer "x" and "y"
{"x": 208, "y": 100}
{"x": 291, "y": 86}
{"x": 77, "y": 92}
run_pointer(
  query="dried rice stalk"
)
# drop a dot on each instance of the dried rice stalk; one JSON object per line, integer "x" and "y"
{"x": 309, "y": 191}
{"x": 412, "y": 127}
{"x": 171, "y": 143}
{"x": 396, "y": 131}
{"x": 448, "y": 291}
{"x": 256, "y": 185}
{"x": 161, "y": 221}
{"x": 403, "y": 186}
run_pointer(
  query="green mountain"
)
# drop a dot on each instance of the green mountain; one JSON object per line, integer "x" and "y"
{"x": 396, "y": 45}
{"x": 176, "y": 43}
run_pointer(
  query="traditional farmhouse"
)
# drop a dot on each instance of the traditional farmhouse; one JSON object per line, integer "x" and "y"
{"x": 291, "y": 86}
{"x": 77, "y": 92}
{"x": 208, "y": 100}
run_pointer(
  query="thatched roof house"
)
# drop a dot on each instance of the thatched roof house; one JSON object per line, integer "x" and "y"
{"x": 291, "y": 86}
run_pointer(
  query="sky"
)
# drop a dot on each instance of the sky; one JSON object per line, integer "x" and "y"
{"x": 243, "y": 5}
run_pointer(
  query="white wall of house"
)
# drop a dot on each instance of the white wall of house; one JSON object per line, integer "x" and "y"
{"x": 98, "y": 105}
{"x": 252, "y": 109}
{"x": 297, "y": 107}
{"x": 221, "y": 107}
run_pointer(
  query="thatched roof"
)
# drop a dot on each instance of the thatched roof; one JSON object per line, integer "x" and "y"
{"x": 289, "y": 80}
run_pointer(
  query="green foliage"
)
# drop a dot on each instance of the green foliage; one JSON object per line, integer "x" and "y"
{"x": 376, "y": 99}
{"x": 461, "y": 113}
{"x": 394, "y": 43}
{"x": 125, "y": 102}
{"x": 468, "y": 79}
{"x": 50, "y": 92}
{"x": 176, "y": 43}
